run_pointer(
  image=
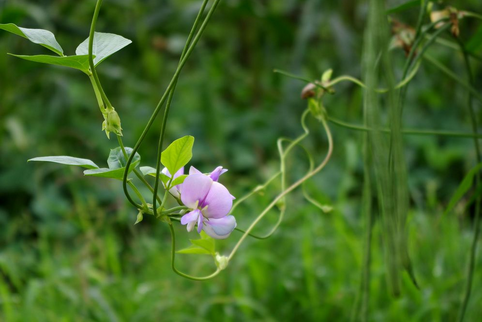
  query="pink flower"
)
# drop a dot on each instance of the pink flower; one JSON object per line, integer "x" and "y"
{"x": 209, "y": 201}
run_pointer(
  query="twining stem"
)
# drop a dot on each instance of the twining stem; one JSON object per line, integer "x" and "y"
{"x": 169, "y": 87}
{"x": 173, "y": 260}
{"x": 91, "y": 58}
{"x": 473, "y": 248}
{"x": 167, "y": 108}
{"x": 405, "y": 131}
{"x": 288, "y": 190}
{"x": 138, "y": 174}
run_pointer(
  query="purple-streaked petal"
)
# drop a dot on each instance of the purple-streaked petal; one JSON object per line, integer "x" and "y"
{"x": 220, "y": 228}
{"x": 195, "y": 189}
{"x": 190, "y": 216}
{"x": 218, "y": 201}
{"x": 217, "y": 173}
{"x": 193, "y": 170}
{"x": 200, "y": 223}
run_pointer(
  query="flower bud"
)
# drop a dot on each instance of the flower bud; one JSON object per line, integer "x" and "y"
{"x": 221, "y": 261}
{"x": 308, "y": 91}
{"x": 112, "y": 122}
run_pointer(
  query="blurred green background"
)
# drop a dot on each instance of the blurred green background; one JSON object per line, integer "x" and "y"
{"x": 69, "y": 250}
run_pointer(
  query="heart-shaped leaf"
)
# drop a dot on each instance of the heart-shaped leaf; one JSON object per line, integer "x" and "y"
{"x": 105, "y": 45}
{"x": 178, "y": 154}
{"x": 117, "y": 159}
{"x": 85, "y": 163}
{"x": 77, "y": 62}
{"x": 38, "y": 36}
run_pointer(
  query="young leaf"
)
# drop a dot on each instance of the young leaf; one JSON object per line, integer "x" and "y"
{"x": 150, "y": 171}
{"x": 117, "y": 160}
{"x": 105, "y": 45}
{"x": 207, "y": 244}
{"x": 193, "y": 250}
{"x": 179, "y": 180}
{"x": 85, "y": 163}
{"x": 76, "y": 62}
{"x": 38, "y": 36}
{"x": 178, "y": 154}
{"x": 463, "y": 187}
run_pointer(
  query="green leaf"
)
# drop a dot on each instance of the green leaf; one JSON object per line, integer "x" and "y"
{"x": 117, "y": 163}
{"x": 193, "y": 250}
{"x": 85, "y": 163}
{"x": 38, "y": 36}
{"x": 404, "y": 6}
{"x": 117, "y": 160}
{"x": 77, "y": 62}
{"x": 140, "y": 217}
{"x": 104, "y": 46}
{"x": 179, "y": 180}
{"x": 463, "y": 187}
{"x": 207, "y": 244}
{"x": 110, "y": 173}
{"x": 475, "y": 42}
{"x": 178, "y": 154}
{"x": 150, "y": 171}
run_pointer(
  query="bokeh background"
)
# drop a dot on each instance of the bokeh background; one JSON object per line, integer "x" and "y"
{"x": 69, "y": 250}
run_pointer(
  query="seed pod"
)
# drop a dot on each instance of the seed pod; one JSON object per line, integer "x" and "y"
{"x": 308, "y": 91}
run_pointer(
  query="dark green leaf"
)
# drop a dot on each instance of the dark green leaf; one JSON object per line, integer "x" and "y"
{"x": 85, "y": 163}
{"x": 404, "y": 6}
{"x": 105, "y": 45}
{"x": 77, "y": 62}
{"x": 178, "y": 154}
{"x": 464, "y": 186}
{"x": 38, "y": 36}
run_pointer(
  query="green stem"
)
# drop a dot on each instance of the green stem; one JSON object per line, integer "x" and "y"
{"x": 405, "y": 131}
{"x": 173, "y": 260}
{"x": 98, "y": 96}
{"x": 473, "y": 248}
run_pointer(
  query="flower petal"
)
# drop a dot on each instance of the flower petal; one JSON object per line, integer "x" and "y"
{"x": 200, "y": 223}
{"x": 195, "y": 189}
{"x": 217, "y": 173}
{"x": 190, "y": 216}
{"x": 218, "y": 201}
{"x": 193, "y": 170}
{"x": 220, "y": 228}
